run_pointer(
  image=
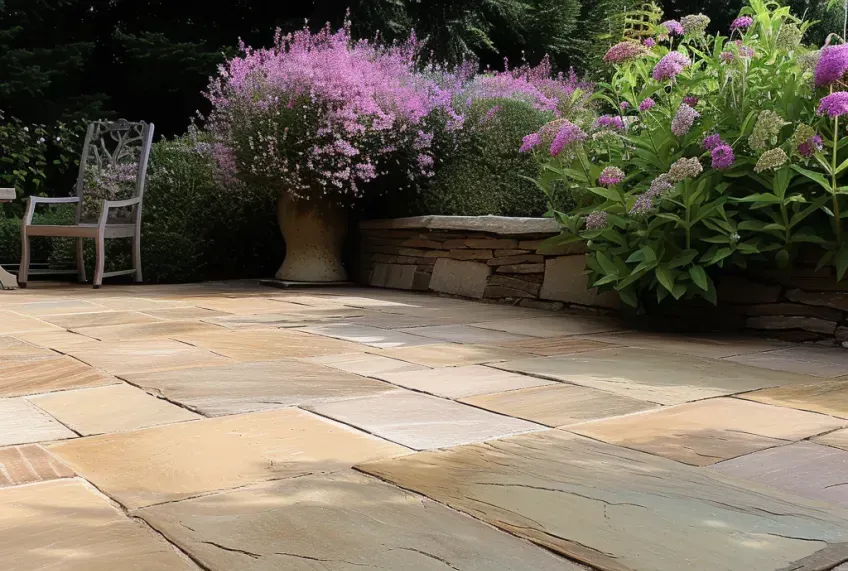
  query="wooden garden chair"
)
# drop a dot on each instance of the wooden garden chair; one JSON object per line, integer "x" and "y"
{"x": 109, "y": 195}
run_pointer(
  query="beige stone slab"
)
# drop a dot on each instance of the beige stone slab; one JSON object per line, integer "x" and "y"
{"x": 80, "y": 320}
{"x": 714, "y": 347}
{"x": 303, "y": 317}
{"x": 28, "y": 464}
{"x": 241, "y": 304}
{"x": 114, "y": 408}
{"x": 837, "y": 439}
{"x": 247, "y": 387}
{"x": 64, "y": 525}
{"x": 827, "y": 397}
{"x": 553, "y": 326}
{"x": 451, "y": 354}
{"x": 365, "y": 364}
{"x": 559, "y": 404}
{"x": 804, "y": 359}
{"x": 398, "y": 321}
{"x": 22, "y": 423}
{"x": 361, "y": 521}
{"x": 57, "y": 306}
{"x": 145, "y": 356}
{"x": 181, "y": 313}
{"x": 619, "y": 509}
{"x": 156, "y": 330}
{"x": 266, "y": 345}
{"x": 456, "y": 382}
{"x": 14, "y": 323}
{"x": 367, "y": 336}
{"x": 421, "y": 421}
{"x": 178, "y": 461}
{"x": 12, "y": 349}
{"x": 57, "y": 340}
{"x": 466, "y": 334}
{"x": 551, "y": 346}
{"x": 144, "y": 304}
{"x": 45, "y": 375}
{"x": 706, "y": 432}
{"x": 652, "y": 375}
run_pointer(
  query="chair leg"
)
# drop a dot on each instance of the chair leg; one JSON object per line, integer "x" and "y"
{"x": 23, "y": 271}
{"x": 136, "y": 256}
{"x": 81, "y": 260}
{"x": 100, "y": 261}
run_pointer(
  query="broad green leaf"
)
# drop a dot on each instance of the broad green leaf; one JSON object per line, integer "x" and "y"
{"x": 841, "y": 262}
{"x": 628, "y": 296}
{"x": 683, "y": 258}
{"x": 678, "y": 291}
{"x": 815, "y": 177}
{"x": 699, "y": 277}
{"x": 607, "y": 265}
{"x": 665, "y": 277}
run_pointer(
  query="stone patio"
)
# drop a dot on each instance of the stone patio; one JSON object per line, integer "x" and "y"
{"x": 229, "y": 426}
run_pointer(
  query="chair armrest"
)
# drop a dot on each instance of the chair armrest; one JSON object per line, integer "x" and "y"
{"x": 33, "y": 200}
{"x": 110, "y": 204}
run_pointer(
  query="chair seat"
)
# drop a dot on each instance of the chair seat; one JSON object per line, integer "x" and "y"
{"x": 82, "y": 230}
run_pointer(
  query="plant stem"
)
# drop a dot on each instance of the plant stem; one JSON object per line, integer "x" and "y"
{"x": 688, "y": 215}
{"x": 837, "y": 221}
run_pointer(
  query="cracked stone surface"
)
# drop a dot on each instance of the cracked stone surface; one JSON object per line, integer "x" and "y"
{"x": 451, "y": 354}
{"x": 456, "y": 382}
{"x": 248, "y": 387}
{"x": 421, "y": 421}
{"x": 553, "y": 326}
{"x": 803, "y": 468}
{"x": 339, "y": 522}
{"x": 705, "y": 432}
{"x": 127, "y": 357}
{"x": 178, "y": 461}
{"x": 828, "y": 397}
{"x": 804, "y": 359}
{"x": 30, "y": 377}
{"x": 652, "y": 375}
{"x": 21, "y": 423}
{"x": 837, "y": 439}
{"x": 619, "y": 509}
{"x": 64, "y": 525}
{"x": 559, "y": 404}
{"x": 28, "y": 464}
{"x": 114, "y": 408}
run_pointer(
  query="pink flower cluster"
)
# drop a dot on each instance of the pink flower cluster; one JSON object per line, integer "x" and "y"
{"x": 670, "y": 66}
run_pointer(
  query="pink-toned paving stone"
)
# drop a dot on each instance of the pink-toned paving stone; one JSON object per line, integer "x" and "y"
{"x": 29, "y": 463}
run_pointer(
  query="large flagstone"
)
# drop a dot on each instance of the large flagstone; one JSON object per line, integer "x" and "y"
{"x": 155, "y": 330}
{"x": 804, "y": 359}
{"x": 57, "y": 339}
{"x": 398, "y": 321}
{"x": 63, "y": 525}
{"x": 22, "y": 423}
{"x": 303, "y": 317}
{"x": 463, "y": 334}
{"x": 241, "y": 304}
{"x": 57, "y": 306}
{"x": 837, "y": 439}
{"x": 714, "y": 347}
{"x": 14, "y": 323}
{"x": 12, "y": 349}
{"x": 550, "y": 346}
{"x": 365, "y": 364}
{"x": 620, "y": 509}
{"x": 828, "y": 397}
{"x": 803, "y": 468}
{"x": 456, "y": 382}
{"x": 451, "y": 354}
{"x": 178, "y": 461}
{"x": 420, "y": 421}
{"x": 247, "y": 387}
{"x": 28, "y": 464}
{"x": 101, "y": 318}
{"x": 114, "y": 408}
{"x": 31, "y": 377}
{"x": 187, "y": 312}
{"x": 658, "y": 376}
{"x": 339, "y": 522}
{"x": 370, "y": 336}
{"x": 559, "y": 404}
{"x": 126, "y": 357}
{"x": 708, "y": 431}
{"x": 553, "y": 326}
{"x": 265, "y": 344}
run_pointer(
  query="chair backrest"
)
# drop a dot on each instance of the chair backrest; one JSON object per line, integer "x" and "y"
{"x": 113, "y": 166}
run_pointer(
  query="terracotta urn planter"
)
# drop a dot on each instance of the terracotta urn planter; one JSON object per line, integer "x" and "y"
{"x": 314, "y": 233}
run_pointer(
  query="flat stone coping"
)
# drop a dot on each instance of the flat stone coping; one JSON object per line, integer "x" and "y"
{"x": 7, "y": 194}
{"x": 506, "y": 225}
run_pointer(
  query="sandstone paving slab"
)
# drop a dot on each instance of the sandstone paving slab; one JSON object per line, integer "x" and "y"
{"x": 178, "y": 461}
{"x": 657, "y": 376}
{"x": 339, "y": 522}
{"x": 60, "y": 373}
{"x": 398, "y": 321}
{"x": 803, "y": 468}
{"x": 57, "y": 306}
{"x": 113, "y": 408}
{"x": 13, "y": 349}
{"x": 301, "y": 318}
{"x": 134, "y": 303}
{"x": 365, "y": 364}
{"x": 28, "y": 464}
{"x": 22, "y": 423}
{"x": 451, "y": 354}
{"x": 370, "y": 336}
{"x": 57, "y": 340}
{"x": 265, "y": 344}
{"x": 837, "y": 439}
{"x": 264, "y": 385}
{"x": 184, "y": 312}
{"x": 708, "y": 431}
{"x": 714, "y": 347}
{"x": 559, "y": 404}
{"x": 241, "y": 304}
{"x": 550, "y": 346}
{"x": 808, "y": 360}
{"x": 827, "y": 397}
{"x": 463, "y": 334}
{"x": 156, "y": 330}
{"x": 456, "y": 382}
{"x": 620, "y": 509}
{"x": 14, "y": 323}
{"x": 128, "y": 357}
{"x": 65, "y": 525}
{"x": 553, "y": 326}
{"x": 420, "y": 421}
{"x": 100, "y": 318}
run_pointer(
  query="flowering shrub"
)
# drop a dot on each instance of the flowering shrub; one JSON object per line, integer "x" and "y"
{"x": 730, "y": 153}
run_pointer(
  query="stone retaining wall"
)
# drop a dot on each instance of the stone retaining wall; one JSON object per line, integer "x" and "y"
{"x": 481, "y": 257}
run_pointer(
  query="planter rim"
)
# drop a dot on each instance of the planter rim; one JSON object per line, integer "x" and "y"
{"x": 505, "y": 225}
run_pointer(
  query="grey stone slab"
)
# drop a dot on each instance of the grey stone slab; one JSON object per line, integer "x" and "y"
{"x": 371, "y": 336}
{"x": 365, "y": 364}
{"x": 464, "y": 278}
{"x": 566, "y": 280}
{"x": 247, "y": 387}
{"x": 361, "y": 522}
{"x": 802, "y": 468}
{"x": 456, "y": 382}
{"x": 505, "y": 225}
{"x": 464, "y": 334}
{"x": 619, "y": 509}
{"x": 420, "y": 421}
{"x": 652, "y": 375}
{"x": 553, "y": 326}
{"x": 805, "y": 359}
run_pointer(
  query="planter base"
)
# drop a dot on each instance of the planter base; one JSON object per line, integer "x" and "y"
{"x": 314, "y": 232}
{"x": 290, "y": 284}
